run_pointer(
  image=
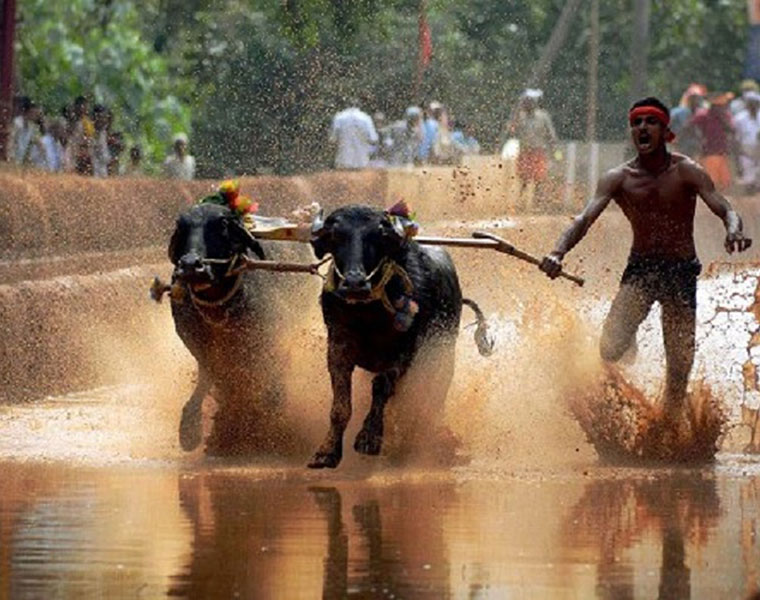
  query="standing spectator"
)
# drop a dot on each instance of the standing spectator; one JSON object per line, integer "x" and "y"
{"x": 534, "y": 129}
{"x": 81, "y": 135}
{"x": 687, "y": 139}
{"x": 54, "y": 144}
{"x": 180, "y": 164}
{"x": 739, "y": 104}
{"x": 430, "y": 130}
{"x": 381, "y": 157}
{"x": 26, "y": 132}
{"x": 355, "y": 135}
{"x": 443, "y": 152}
{"x": 716, "y": 130}
{"x": 747, "y": 124}
{"x": 134, "y": 166}
{"x": 463, "y": 140}
{"x": 115, "y": 148}
{"x": 100, "y": 154}
{"x": 16, "y": 121}
{"x": 37, "y": 155}
{"x": 408, "y": 137}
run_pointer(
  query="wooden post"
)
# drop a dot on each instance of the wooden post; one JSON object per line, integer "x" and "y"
{"x": 7, "y": 34}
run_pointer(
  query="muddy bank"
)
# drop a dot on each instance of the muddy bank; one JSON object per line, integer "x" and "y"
{"x": 63, "y": 215}
{"x": 52, "y": 329}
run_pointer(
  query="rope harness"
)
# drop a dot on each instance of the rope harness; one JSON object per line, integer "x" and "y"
{"x": 403, "y": 309}
{"x": 231, "y": 262}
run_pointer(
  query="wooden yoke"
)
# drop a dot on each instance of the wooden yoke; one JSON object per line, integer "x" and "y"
{"x": 278, "y": 229}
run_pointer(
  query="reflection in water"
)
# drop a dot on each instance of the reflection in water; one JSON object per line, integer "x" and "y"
{"x": 335, "y": 583}
{"x": 618, "y": 514}
{"x": 289, "y": 541}
{"x": 87, "y": 534}
{"x": 237, "y": 532}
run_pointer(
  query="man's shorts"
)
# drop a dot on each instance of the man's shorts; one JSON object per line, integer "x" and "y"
{"x": 664, "y": 279}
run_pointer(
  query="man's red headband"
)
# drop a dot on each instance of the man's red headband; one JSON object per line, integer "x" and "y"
{"x": 657, "y": 113}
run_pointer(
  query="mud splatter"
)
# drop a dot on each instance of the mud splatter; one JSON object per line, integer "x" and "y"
{"x": 625, "y": 426}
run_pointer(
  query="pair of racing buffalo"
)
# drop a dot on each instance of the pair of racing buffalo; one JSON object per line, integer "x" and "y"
{"x": 385, "y": 298}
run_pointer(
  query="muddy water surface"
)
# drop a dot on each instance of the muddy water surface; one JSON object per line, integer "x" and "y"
{"x": 98, "y": 501}
{"x": 260, "y": 532}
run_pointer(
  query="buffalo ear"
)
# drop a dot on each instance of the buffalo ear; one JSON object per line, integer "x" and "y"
{"x": 174, "y": 244}
{"x": 319, "y": 235}
{"x": 245, "y": 236}
{"x": 393, "y": 229}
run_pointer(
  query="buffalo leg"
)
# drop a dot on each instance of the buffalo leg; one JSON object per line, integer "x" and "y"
{"x": 330, "y": 452}
{"x": 190, "y": 431}
{"x": 370, "y": 439}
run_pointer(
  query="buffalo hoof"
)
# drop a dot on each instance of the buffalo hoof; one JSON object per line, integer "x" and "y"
{"x": 190, "y": 431}
{"x": 324, "y": 460}
{"x": 368, "y": 442}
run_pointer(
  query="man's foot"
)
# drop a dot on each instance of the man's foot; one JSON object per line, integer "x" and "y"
{"x": 676, "y": 427}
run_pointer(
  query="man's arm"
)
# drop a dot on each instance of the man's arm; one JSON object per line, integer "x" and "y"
{"x": 719, "y": 205}
{"x": 605, "y": 191}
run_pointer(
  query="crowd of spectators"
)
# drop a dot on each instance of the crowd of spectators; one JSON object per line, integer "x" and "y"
{"x": 83, "y": 140}
{"x": 722, "y": 132}
{"x": 719, "y": 129}
{"x": 428, "y": 135}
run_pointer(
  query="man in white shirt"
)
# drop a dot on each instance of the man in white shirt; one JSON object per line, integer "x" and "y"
{"x": 747, "y": 125}
{"x": 26, "y": 134}
{"x": 52, "y": 141}
{"x": 180, "y": 165}
{"x": 354, "y": 133}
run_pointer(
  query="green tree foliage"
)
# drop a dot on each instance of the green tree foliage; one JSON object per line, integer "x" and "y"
{"x": 263, "y": 79}
{"x": 97, "y": 49}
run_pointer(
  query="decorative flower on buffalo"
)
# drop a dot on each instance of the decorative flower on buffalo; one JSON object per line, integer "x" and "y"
{"x": 228, "y": 195}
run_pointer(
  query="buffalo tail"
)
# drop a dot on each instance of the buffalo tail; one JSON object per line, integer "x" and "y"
{"x": 483, "y": 338}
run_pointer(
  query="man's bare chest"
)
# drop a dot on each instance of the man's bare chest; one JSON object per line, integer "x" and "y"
{"x": 656, "y": 196}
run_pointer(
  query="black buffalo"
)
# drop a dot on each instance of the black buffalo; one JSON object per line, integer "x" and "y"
{"x": 386, "y": 297}
{"x": 224, "y": 317}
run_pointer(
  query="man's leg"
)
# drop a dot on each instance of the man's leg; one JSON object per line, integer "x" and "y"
{"x": 629, "y": 308}
{"x": 678, "y": 329}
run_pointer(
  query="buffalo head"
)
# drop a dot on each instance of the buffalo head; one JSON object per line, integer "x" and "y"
{"x": 359, "y": 238}
{"x": 205, "y": 241}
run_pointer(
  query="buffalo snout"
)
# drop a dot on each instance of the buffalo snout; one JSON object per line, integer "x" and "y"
{"x": 355, "y": 284}
{"x": 191, "y": 266}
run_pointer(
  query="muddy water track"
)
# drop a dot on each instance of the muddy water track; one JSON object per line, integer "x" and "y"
{"x": 98, "y": 498}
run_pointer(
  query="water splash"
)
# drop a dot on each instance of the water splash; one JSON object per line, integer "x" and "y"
{"x": 625, "y": 425}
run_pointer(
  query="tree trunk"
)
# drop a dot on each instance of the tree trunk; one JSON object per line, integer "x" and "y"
{"x": 640, "y": 47}
{"x": 7, "y": 33}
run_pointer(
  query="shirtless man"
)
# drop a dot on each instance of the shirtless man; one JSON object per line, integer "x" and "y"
{"x": 657, "y": 192}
